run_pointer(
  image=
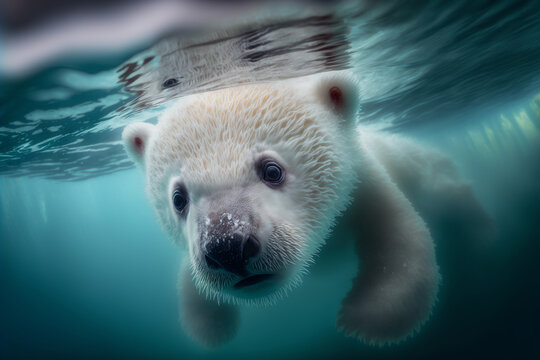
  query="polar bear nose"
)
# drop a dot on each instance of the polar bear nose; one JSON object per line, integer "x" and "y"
{"x": 231, "y": 253}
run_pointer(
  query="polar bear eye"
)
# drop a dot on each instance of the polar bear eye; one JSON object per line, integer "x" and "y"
{"x": 169, "y": 83}
{"x": 180, "y": 199}
{"x": 272, "y": 173}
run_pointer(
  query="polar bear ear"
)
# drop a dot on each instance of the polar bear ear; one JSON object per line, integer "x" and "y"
{"x": 339, "y": 92}
{"x": 136, "y": 138}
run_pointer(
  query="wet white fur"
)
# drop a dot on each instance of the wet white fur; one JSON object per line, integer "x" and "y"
{"x": 210, "y": 141}
{"x": 396, "y": 285}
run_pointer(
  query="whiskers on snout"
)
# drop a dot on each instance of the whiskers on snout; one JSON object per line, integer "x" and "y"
{"x": 240, "y": 268}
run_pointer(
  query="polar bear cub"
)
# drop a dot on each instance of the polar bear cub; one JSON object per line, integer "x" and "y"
{"x": 252, "y": 180}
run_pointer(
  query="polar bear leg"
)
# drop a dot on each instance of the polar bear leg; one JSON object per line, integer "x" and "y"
{"x": 207, "y": 322}
{"x": 397, "y": 282}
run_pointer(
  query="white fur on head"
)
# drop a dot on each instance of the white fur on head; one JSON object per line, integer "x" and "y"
{"x": 210, "y": 141}
{"x": 338, "y": 91}
{"x": 136, "y": 139}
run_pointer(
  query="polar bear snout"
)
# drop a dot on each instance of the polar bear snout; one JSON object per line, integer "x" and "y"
{"x": 228, "y": 238}
{"x": 239, "y": 249}
{"x": 231, "y": 252}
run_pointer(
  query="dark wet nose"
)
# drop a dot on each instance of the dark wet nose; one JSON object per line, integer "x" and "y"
{"x": 231, "y": 253}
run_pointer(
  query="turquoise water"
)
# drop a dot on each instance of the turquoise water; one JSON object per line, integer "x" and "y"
{"x": 86, "y": 272}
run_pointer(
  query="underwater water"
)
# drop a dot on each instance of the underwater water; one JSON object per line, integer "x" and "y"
{"x": 86, "y": 271}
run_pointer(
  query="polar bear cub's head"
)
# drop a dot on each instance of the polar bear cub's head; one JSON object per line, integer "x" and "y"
{"x": 251, "y": 179}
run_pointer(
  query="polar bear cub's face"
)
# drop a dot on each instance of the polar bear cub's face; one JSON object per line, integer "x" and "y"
{"x": 251, "y": 179}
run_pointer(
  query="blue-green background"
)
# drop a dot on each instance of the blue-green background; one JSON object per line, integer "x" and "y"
{"x": 86, "y": 272}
